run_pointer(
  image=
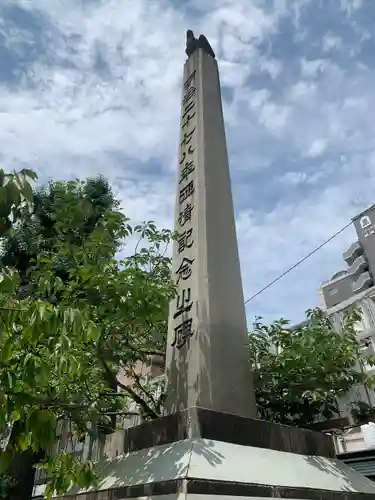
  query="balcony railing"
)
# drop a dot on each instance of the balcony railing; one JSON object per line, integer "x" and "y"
{"x": 362, "y": 283}
{"x": 358, "y": 267}
{"x": 352, "y": 252}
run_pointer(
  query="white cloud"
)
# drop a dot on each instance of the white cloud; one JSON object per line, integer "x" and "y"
{"x": 284, "y": 236}
{"x": 102, "y": 95}
{"x": 312, "y": 68}
{"x": 318, "y": 146}
{"x": 271, "y": 66}
{"x": 330, "y": 42}
{"x": 293, "y": 178}
{"x": 273, "y": 116}
{"x": 349, "y": 6}
{"x": 233, "y": 74}
{"x": 302, "y": 90}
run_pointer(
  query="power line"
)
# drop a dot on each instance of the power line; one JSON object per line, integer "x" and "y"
{"x": 298, "y": 263}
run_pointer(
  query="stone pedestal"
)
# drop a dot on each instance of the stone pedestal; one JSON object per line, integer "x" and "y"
{"x": 199, "y": 453}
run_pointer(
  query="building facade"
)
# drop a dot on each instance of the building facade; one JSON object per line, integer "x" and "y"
{"x": 355, "y": 439}
{"x": 354, "y": 288}
{"x": 357, "y": 276}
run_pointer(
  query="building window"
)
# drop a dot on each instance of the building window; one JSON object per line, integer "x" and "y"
{"x": 333, "y": 291}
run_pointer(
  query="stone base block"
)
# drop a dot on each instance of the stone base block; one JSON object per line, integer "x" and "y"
{"x": 199, "y": 422}
{"x": 198, "y": 468}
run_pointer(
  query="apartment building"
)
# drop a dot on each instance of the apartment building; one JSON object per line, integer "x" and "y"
{"x": 359, "y": 269}
{"x": 354, "y": 287}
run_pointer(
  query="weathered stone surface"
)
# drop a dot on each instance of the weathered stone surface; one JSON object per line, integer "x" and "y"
{"x": 197, "y": 468}
{"x": 203, "y": 423}
{"x": 207, "y": 361}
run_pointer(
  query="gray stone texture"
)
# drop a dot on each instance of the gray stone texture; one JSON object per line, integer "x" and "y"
{"x": 207, "y": 467}
{"x": 212, "y": 369}
{"x": 202, "y": 423}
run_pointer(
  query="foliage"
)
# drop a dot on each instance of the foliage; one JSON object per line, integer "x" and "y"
{"x": 300, "y": 373}
{"x": 362, "y": 412}
{"x": 66, "y": 471}
{"x": 6, "y": 483}
{"x": 68, "y": 211}
{"x": 85, "y": 318}
{"x": 16, "y": 194}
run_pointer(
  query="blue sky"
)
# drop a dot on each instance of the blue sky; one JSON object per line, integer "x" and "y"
{"x": 93, "y": 86}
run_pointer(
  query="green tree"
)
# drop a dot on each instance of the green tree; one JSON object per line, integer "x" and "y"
{"x": 16, "y": 195}
{"x": 79, "y": 205}
{"x": 86, "y": 316}
{"x": 301, "y": 373}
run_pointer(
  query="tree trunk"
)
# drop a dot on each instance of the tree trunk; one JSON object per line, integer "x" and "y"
{"x": 22, "y": 475}
{"x": 22, "y": 472}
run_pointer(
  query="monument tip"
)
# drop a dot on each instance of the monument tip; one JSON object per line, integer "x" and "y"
{"x": 205, "y": 46}
{"x": 192, "y": 44}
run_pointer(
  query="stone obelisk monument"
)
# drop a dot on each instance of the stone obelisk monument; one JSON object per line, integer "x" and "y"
{"x": 208, "y": 444}
{"x": 207, "y": 356}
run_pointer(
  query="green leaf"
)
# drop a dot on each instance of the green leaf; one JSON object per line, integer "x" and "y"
{"x": 93, "y": 332}
{"x": 27, "y": 192}
{"x": 6, "y": 459}
{"x": 42, "y": 310}
{"x": 10, "y": 380}
{"x": 29, "y": 173}
{"x": 15, "y": 416}
{"x": 13, "y": 193}
{"x": 27, "y": 358}
{"x": 24, "y": 441}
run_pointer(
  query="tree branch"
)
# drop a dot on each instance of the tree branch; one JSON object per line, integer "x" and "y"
{"x": 152, "y": 352}
{"x": 47, "y": 404}
{"x": 160, "y": 401}
{"x": 12, "y": 309}
{"x": 142, "y": 388}
{"x": 123, "y": 413}
{"x": 136, "y": 398}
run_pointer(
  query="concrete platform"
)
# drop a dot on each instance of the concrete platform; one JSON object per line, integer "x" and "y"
{"x": 203, "y": 423}
{"x": 199, "y": 453}
{"x": 200, "y": 468}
